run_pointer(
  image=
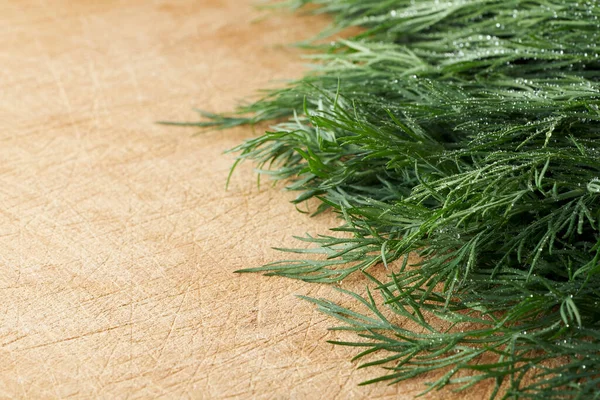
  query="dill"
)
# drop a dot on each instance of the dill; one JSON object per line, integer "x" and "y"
{"x": 466, "y": 131}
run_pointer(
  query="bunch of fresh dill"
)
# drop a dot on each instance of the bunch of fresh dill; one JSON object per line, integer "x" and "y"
{"x": 467, "y": 131}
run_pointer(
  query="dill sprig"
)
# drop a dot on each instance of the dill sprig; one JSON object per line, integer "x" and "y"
{"x": 468, "y": 132}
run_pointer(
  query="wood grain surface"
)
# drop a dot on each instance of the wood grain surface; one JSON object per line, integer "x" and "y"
{"x": 118, "y": 240}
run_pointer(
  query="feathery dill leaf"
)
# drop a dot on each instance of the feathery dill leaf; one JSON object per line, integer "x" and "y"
{"x": 468, "y": 132}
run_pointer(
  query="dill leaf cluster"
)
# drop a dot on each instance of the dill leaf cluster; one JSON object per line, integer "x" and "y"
{"x": 467, "y": 131}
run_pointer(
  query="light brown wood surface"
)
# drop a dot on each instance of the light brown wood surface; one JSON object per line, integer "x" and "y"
{"x": 118, "y": 240}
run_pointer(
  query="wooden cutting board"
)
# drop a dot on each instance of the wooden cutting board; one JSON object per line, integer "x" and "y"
{"x": 118, "y": 240}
